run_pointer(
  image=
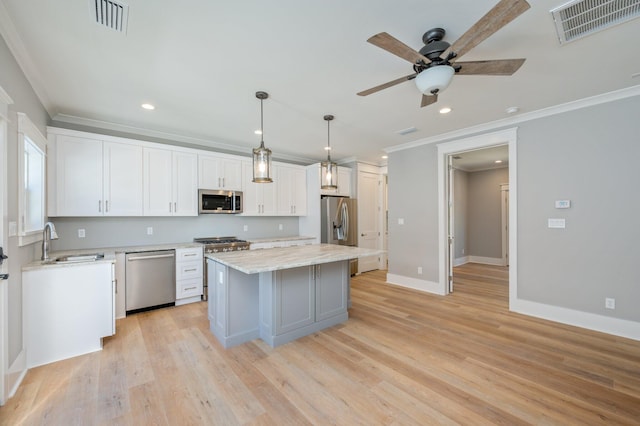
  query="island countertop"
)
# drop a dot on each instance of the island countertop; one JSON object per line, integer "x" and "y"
{"x": 274, "y": 259}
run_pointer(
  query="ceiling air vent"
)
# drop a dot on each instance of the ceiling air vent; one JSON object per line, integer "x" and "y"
{"x": 580, "y": 18}
{"x": 110, "y": 14}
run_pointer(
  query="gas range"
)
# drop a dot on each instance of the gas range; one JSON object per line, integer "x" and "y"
{"x": 222, "y": 244}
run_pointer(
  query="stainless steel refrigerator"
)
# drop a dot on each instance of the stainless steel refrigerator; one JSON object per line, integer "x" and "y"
{"x": 339, "y": 221}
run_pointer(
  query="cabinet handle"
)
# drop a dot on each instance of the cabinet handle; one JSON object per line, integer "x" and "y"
{"x": 169, "y": 206}
{"x": 219, "y": 182}
{"x": 223, "y": 183}
{"x": 190, "y": 254}
{"x": 190, "y": 270}
{"x": 99, "y": 206}
{"x": 190, "y": 288}
{"x": 106, "y": 206}
{"x": 175, "y": 207}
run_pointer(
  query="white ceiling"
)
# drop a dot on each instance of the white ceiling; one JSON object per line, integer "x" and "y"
{"x": 201, "y": 62}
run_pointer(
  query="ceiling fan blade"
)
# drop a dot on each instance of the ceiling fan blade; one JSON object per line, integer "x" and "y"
{"x": 387, "y": 84}
{"x": 398, "y": 48}
{"x": 501, "y": 14}
{"x": 428, "y": 100}
{"x": 496, "y": 67}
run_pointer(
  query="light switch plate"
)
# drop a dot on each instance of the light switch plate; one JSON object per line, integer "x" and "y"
{"x": 13, "y": 229}
{"x": 400, "y": 221}
{"x": 149, "y": 230}
{"x": 563, "y": 204}
{"x": 556, "y": 223}
{"x": 81, "y": 233}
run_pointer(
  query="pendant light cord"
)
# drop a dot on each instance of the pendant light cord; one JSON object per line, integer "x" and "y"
{"x": 261, "y": 125}
{"x": 328, "y": 140}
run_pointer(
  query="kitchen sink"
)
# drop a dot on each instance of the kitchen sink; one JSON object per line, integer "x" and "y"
{"x": 79, "y": 258}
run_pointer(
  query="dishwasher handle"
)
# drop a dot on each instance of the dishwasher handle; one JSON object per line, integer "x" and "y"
{"x": 156, "y": 256}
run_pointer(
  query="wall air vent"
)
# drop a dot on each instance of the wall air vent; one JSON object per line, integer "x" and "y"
{"x": 111, "y": 14}
{"x": 580, "y": 18}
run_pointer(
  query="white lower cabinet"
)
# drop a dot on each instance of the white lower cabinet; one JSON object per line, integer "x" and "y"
{"x": 67, "y": 310}
{"x": 189, "y": 275}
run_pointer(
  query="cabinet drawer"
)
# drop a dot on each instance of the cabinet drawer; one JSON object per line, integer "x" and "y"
{"x": 188, "y": 270}
{"x": 188, "y": 254}
{"x": 188, "y": 288}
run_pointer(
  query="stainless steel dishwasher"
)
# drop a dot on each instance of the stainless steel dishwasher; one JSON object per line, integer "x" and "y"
{"x": 150, "y": 280}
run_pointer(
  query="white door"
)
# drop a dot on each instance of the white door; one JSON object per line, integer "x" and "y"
{"x": 368, "y": 211}
{"x": 450, "y": 224}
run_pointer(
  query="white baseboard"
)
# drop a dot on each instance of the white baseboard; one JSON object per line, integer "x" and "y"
{"x": 459, "y": 261}
{"x": 604, "y": 324}
{"x": 16, "y": 373}
{"x": 497, "y": 261}
{"x": 422, "y": 285}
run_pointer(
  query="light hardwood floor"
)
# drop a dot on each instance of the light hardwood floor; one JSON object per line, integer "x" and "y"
{"x": 403, "y": 357}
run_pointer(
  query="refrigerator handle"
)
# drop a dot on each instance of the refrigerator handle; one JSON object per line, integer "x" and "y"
{"x": 345, "y": 220}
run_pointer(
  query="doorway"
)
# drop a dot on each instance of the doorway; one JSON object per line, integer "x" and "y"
{"x": 4, "y": 267}
{"x": 446, "y": 151}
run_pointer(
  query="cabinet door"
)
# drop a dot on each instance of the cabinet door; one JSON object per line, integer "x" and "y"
{"x": 294, "y": 299}
{"x": 284, "y": 181}
{"x": 231, "y": 174}
{"x": 208, "y": 176}
{"x": 122, "y": 166}
{"x": 259, "y": 198}
{"x": 344, "y": 181}
{"x": 332, "y": 286}
{"x": 158, "y": 182}
{"x": 185, "y": 184}
{"x": 299, "y": 195}
{"x": 79, "y": 176}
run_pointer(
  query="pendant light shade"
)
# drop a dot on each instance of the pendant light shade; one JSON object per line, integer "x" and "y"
{"x": 262, "y": 155}
{"x": 328, "y": 169}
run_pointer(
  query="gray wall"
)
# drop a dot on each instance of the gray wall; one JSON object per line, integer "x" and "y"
{"x": 25, "y": 100}
{"x": 589, "y": 156}
{"x": 484, "y": 212}
{"x": 460, "y": 213}
{"x": 132, "y": 231}
{"x": 413, "y": 196}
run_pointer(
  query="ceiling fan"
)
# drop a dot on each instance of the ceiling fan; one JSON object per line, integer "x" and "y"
{"x": 434, "y": 65}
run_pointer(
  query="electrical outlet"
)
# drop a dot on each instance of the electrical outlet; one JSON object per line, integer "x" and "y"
{"x": 400, "y": 221}
{"x": 419, "y": 270}
{"x": 13, "y": 229}
{"x": 245, "y": 228}
{"x": 81, "y": 233}
{"x": 149, "y": 230}
{"x": 280, "y": 227}
{"x": 462, "y": 251}
{"x": 610, "y": 303}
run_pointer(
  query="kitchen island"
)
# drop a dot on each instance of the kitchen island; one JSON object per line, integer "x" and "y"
{"x": 278, "y": 294}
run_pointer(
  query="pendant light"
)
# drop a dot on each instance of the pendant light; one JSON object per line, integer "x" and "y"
{"x": 328, "y": 169}
{"x": 262, "y": 155}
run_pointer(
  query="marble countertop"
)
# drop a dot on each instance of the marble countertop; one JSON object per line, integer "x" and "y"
{"x": 272, "y": 239}
{"x": 255, "y": 261}
{"x": 109, "y": 254}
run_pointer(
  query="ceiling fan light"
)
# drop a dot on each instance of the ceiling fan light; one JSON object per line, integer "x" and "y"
{"x": 434, "y": 79}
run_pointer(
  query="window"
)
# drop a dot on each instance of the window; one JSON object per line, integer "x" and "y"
{"x": 31, "y": 191}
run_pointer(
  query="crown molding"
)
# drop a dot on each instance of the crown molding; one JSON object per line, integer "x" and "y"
{"x": 167, "y": 136}
{"x": 16, "y": 46}
{"x": 511, "y": 121}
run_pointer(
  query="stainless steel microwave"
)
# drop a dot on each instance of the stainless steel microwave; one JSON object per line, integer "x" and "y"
{"x": 219, "y": 201}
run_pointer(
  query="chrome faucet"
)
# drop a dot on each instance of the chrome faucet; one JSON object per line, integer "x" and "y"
{"x": 47, "y": 239}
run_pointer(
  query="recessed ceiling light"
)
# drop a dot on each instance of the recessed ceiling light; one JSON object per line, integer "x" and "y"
{"x": 384, "y": 157}
{"x": 327, "y": 148}
{"x": 258, "y": 132}
{"x": 512, "y": 110}
{"x": 148, "y": 106}
{"x": 445, "y": 110}
{"x": 498, "y": 161}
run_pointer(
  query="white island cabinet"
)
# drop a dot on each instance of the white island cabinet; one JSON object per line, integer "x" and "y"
{"x": 68, "y": 310}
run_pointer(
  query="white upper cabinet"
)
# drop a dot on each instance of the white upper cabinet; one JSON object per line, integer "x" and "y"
{"x": 122, "y": 175}
{"x": 217, "y": 172}
{"x": 344, "y": 183}
{"x": 96, "y": 178}
{"x": 291, "y": 184}
{"x": 170, "y": 183}
{"x": 259, "y": 198}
